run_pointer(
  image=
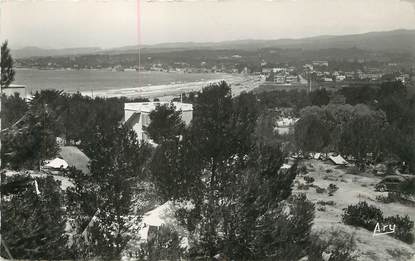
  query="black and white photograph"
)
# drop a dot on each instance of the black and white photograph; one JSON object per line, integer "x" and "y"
{"x": 207, "y": 130}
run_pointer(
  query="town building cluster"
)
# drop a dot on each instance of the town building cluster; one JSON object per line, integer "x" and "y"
{"x": 324, "y": 72}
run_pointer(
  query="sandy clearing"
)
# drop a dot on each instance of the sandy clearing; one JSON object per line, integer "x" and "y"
{"x": 352, "y": 189}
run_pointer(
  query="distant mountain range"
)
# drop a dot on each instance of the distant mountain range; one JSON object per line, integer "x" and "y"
{"x": 388, "y": 41}
{"x": 36, "y": 51}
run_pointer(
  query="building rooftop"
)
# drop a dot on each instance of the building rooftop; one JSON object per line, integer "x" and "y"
{"x": 15, "y": 86}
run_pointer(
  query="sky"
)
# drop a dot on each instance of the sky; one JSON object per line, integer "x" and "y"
{"x": 116, "y": 23}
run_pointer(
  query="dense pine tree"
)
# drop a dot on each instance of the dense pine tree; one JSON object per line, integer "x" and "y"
{"x": 33, "y": 222}
{"x": 101, "y": 202}
{"x": 165, "y": 124}
{"x": 6, "y": 65}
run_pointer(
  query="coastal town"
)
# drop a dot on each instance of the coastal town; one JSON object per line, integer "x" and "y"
{"x": 333, "y": 73}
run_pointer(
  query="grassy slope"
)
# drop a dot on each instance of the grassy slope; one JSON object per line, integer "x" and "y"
{"x": 352, "y": 189}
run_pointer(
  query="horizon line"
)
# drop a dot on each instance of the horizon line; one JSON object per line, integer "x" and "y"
{"x": 210, "y": 42}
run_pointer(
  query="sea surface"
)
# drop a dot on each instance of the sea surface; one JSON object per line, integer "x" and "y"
{"x": 89, "y": 81}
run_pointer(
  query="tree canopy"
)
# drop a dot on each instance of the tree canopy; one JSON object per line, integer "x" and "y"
{"x": 6, "y": 65}
{"x": 165, "y": 123}
{"x": 33, "y": 224}
{"x": 105, "y": 196}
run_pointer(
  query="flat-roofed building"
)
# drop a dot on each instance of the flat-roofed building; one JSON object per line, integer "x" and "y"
{"x": 320, "y": 63}
{"x": 279, "y": 79}
{"x": 137, "y": 115}
{"x": 292, "y": 79}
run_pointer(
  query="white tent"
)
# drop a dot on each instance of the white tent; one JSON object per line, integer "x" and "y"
{"x": 317, "y": 156}
{"x": 286, "y": 166}
{"x": 163, "y": 215}
{"x": 57, "y": 164}
{"x": 338, "y": 160}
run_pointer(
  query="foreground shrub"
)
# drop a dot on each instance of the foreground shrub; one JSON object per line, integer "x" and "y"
{"x": 326, "y": 203}
{"x": 332, "y": 188}
{"x": 403, "y": 228}
{"x": 320, "y": 190}
{"x": 394, "y": 197}
{"x": 353, "y": 170}
{"x": 362, "y": 215}
{"x": 308, "y": 179}
{"x": 337, "y": 246}
{"x": 290, "y": 230}
{"x": 407, "y": 187}
{"x": 302, "y": 186}
{"x": 164, "y": 243}
{"x": 321, "y": 208}
{"x": 303, "y": 169}
{"x": 32, "y": 218}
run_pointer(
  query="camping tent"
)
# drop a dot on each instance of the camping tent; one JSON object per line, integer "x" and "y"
{"x": 57, "y": 164}
{"x": 286, "y": 166}
{"x": 163, "y": 215}
{"x": 338, "y": 160}
{"x": 317, "y": 156}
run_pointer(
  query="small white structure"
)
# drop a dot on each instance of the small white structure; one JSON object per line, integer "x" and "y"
{"x": 286, "y": 166}
{"x": 320, "y": 63}
{"x": 284, "y": 125}
{"x": 56, "y": 164}
{"x": 161, "y": 216}
{"x": 338, "y": 160}
{"x": 15, "y": 88}
{"x": 317, "y": 156}
{"x": 137, "y": 115}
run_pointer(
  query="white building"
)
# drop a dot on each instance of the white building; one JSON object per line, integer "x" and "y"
{"x": 137, "y": 115}
{"x": 285, "y": 125}
{"x": 340, "y": 78}
{"x": 320, "y": 63}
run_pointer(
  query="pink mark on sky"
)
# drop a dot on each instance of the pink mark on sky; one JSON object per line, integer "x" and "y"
{"x": 138, "y": 22}
{"x": 138, "y": 14}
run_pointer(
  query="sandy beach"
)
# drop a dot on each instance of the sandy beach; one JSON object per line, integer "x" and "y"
{"x": 238, "y": 82}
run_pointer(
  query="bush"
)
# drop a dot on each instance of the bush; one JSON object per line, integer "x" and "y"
{"x": 326, "y": 203}
{"x": 395, "y": 197}
{"x": 284, "y": 234}
{"x": 332, "y": 188}
{"x": 353, "y": 170}
{"x": 33, "y": 224}
{"x": 320, "y": 190}
{"x": 408, "y": 187}
{"x": 338, "y": 246}
{"x": 303, "y": 169}
{"x": 362, "y": 215}
{"x": 321, "y": 208}
{"x": 164, "y": 243}
{"x": 331, "y": 178}
{"x": 403, "y": 228}
{"x": 390, "y": 198}
{"x": 302, "y": 186}
{"x": 308, "y": 179}
{"x": 400, "y": 254}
